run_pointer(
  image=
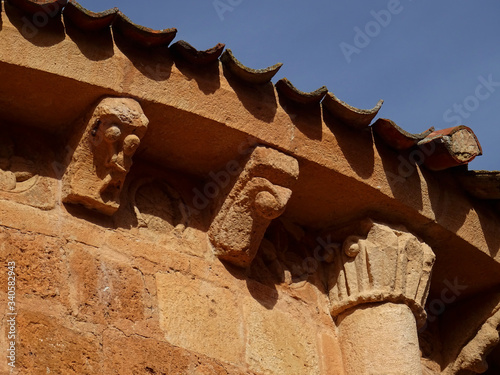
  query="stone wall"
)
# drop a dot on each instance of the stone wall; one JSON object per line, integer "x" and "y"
{"x": 142, "y": 292}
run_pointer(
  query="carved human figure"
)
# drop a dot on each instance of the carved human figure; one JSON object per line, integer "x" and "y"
{"x": 103, "y": 154}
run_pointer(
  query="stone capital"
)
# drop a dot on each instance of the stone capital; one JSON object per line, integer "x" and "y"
{"x": 389, "y": 265}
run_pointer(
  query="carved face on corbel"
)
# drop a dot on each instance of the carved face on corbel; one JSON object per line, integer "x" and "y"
{"x": 103, "y": 156}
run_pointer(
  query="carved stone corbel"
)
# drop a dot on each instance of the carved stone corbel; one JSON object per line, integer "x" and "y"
{"x": 259, "y": 195}
{"x": 103, "y": 154}
{"x": 472, "y": 358}
{"x": 378, "y": 290}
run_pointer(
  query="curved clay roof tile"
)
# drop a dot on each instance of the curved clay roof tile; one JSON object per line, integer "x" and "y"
{"x": 191, "y": 54}
{"x": 395, "y": 137}
{"x": 258, "y": 76}
{"x": 451, "y": 147}
{"x": 142, "y": 35}
{"x": 352, "y": 116}
{"x": 34, "y": 6}
{"x": 285, "y": 87}
{"x": 86, "y": 20}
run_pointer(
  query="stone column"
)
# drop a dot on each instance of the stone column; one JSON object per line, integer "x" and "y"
{"x": 378, "y": 288}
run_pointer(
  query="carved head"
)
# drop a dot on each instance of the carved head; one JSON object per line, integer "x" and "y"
{"x": 103, "y": 156}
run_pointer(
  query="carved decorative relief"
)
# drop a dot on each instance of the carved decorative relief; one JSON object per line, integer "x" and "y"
{"x": 259, "y": 195}
{"x": 389, "y": 265}
{"x": 156, "y": 205}
{"x": 472, "y": 358}
{"x": 103, "y": 155}
{"x": 26, "y": 176}
{"x": 17, "y": 174}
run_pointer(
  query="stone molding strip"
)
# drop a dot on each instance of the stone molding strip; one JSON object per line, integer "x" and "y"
{"x": 481, "y": 184}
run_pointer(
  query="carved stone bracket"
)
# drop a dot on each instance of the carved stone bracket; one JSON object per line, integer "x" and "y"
{"x": 472, "y": 358}
{"x": 259, "y": 195}
{"x": 103, "y": 154}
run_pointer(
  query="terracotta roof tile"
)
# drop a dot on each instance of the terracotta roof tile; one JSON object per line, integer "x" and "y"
{"x": 285, "y": 87}
{"x": 451, "y": 147}
{"x": 85, "y": 19}
{"x": 142, "y": 35}
{"x": 444, "y": 149}
{"x": 349, "y": 115}
{"x": 51, "y": 7}
{"x": 258, "y": 76}
{"x": 191, "y": 54}
{"x": 395, "y": 137}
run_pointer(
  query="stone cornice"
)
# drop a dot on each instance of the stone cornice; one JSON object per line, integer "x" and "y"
{"x": 345, "y": 173}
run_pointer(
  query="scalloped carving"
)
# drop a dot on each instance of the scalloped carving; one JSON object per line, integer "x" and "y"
{"x": 17, "y": 174}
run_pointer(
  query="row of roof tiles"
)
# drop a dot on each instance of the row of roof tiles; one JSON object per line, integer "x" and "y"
{"x": 450, "y": 147}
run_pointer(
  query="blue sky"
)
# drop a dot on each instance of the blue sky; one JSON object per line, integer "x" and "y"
{"x": 433, "y": 63}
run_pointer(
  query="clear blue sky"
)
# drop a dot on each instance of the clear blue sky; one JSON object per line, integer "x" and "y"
{"x": 434, "y": 63}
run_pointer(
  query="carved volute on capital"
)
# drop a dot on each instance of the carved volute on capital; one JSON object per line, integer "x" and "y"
{"x": 389, "y": 265}
{"x": 260, "y": 194}
{"x": 103, "y": 154}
